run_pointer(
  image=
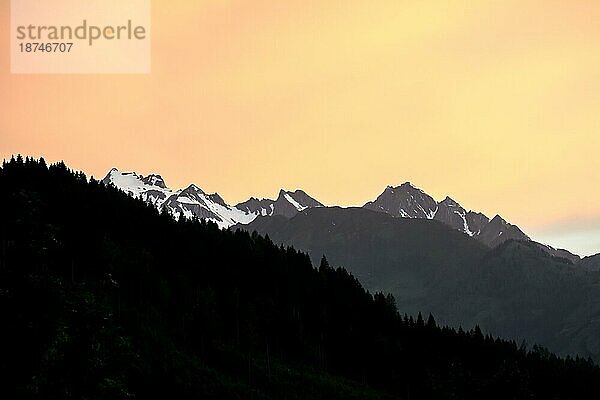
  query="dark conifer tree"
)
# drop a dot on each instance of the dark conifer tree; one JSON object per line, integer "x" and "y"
{"x": 420, "y": 322}
{"x": 431, "y": 322}
{"x": 324, "y": 265}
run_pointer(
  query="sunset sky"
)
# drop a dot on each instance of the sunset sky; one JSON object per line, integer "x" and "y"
{"x": 495, "y": 103}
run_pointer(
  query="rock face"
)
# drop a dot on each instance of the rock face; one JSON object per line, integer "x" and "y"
{"x": 498, "y": 231}
{"x": 476, "y": 221}
{"x": 406, "y": 201}
{"x": 263, "y": 207}
{"x": 452, "y": 214}
{"x": 154, "y": 180}
{"x": 287, "y": 204}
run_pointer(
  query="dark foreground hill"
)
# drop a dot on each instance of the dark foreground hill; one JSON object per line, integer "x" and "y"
{"x": 103, "y": 298}
{"x": 516, "y": 290}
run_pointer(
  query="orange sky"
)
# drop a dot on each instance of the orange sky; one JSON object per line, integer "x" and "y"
{"x": 496, "y": 103}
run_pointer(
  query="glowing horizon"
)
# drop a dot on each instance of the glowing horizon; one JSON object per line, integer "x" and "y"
{"x": 495, "y": 105}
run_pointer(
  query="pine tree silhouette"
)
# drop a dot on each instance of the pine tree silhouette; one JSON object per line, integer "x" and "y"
{"x": 324, "y": 265}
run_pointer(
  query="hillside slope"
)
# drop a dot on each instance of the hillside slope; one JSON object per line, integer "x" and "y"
{"x": 516, "y": 290}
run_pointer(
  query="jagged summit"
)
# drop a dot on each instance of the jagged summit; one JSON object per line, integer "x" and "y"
{"x": 406, "y": 201}
{"x": 449, "y": 201}
{"x": 287, "y": 204}
{"x": 193, "y": 189}
{"x": 409, "y": 201}
{"x": 155, "y": 180}
{"x": 151, "y": 188}
{"x": 189, "y": 202}
{"x": 193, "y": 202}
{"x": 406, "y": 185}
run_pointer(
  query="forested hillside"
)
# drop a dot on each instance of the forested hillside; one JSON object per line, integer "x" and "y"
{"x": 102, "y": 297}
{"x": 516, "y": 291}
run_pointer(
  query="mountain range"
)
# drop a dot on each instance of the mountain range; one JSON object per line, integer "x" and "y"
{"x": 404, "y": 201}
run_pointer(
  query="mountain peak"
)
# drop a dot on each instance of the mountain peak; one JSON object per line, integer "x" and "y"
{"x": 405, "y": 201}
{"x": 406, "y": 186}
{"x": 498, "y": 219}
{"x": 449, "y": 201}
{"x": 113, "y": 172}
{"x": 498, "y": 231}
{"x": 192, "y": 189}
{"x": 408, "y": 201}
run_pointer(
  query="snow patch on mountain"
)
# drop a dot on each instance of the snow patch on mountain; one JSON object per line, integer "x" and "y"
{"x": 293, "y": 202}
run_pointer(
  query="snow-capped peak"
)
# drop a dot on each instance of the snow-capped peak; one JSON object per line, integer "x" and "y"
{"x": 193, "y": 202}
{"x": 151, "y": 188}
